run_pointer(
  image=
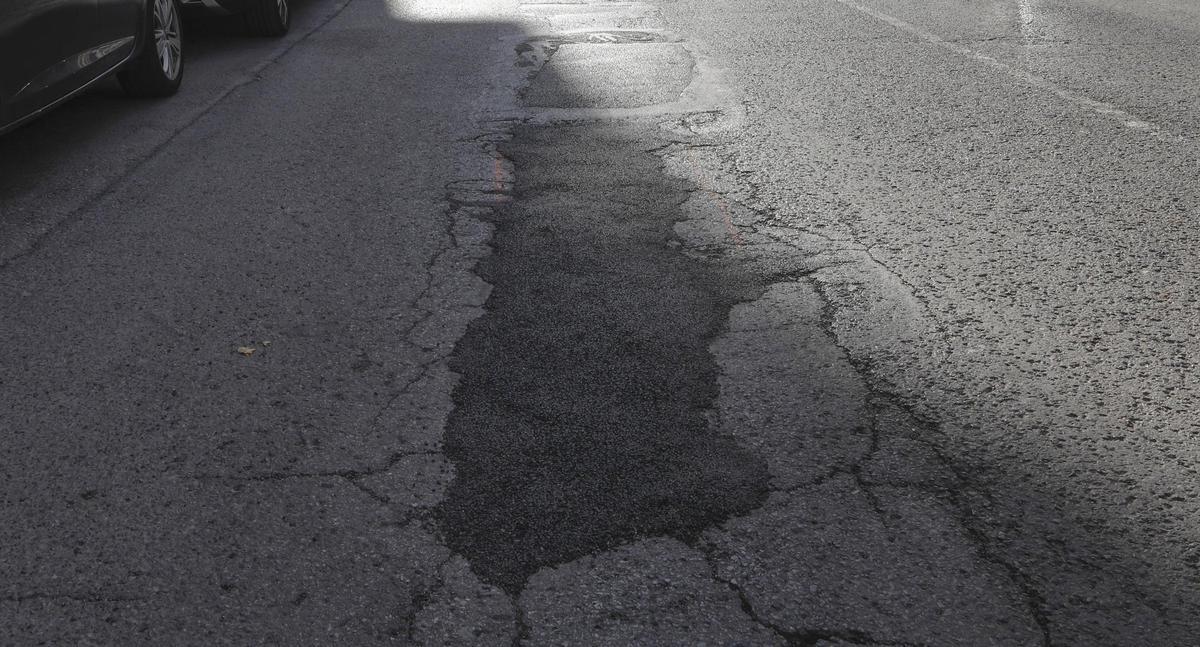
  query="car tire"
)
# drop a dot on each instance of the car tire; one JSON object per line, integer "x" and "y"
{"x": 158, "y": 69}
{"x": 268, "y": 17}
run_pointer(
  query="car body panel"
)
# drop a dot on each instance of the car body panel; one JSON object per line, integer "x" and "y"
{"x": 52, "y": 49}
{"x": 114, "y": 17}
{"x": 36, "y": 35}
{"x": 79, "y": 63}
{"x": 219, "y": 7}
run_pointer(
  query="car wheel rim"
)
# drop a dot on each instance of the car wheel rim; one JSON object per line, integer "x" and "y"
{"x": 282, "y": 8}
{"x": 166, "y": 37}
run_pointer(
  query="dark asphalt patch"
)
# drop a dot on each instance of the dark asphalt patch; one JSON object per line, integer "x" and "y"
{"x": 581, "y": 419}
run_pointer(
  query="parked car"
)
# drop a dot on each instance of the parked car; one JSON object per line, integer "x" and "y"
{"x": 50, "y": 50}
{"x": 263, "y": 17}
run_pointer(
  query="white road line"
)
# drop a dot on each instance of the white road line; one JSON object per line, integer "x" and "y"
{"x": 1099, "y": 107}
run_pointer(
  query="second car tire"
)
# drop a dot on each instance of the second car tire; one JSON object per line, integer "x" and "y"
{"x": 268, "y": 17}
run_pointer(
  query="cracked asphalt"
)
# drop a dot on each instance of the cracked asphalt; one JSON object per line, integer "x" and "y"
{"x": 588, "y": 322}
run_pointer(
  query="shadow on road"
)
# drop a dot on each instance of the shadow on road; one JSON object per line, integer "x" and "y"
{"x": 157, "y": 483}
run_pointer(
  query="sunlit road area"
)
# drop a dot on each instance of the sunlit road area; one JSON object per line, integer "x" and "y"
{"x": 820, "y": 323}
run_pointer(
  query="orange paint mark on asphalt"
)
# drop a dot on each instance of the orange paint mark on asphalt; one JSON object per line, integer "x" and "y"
{"x": 498, "y": 178}
{"x": 719, "y": 200}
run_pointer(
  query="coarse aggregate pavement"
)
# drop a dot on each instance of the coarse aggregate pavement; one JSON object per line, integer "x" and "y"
{"x": 818, "y": 322}
{"x": 222, "y": 381}
{"x": 1023, "y": 276}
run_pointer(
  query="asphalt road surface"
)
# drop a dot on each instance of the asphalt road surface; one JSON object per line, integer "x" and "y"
{"x": 476, "y": 322}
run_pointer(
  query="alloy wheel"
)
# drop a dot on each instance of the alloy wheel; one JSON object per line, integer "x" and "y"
{"x": 166, "y": 37}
